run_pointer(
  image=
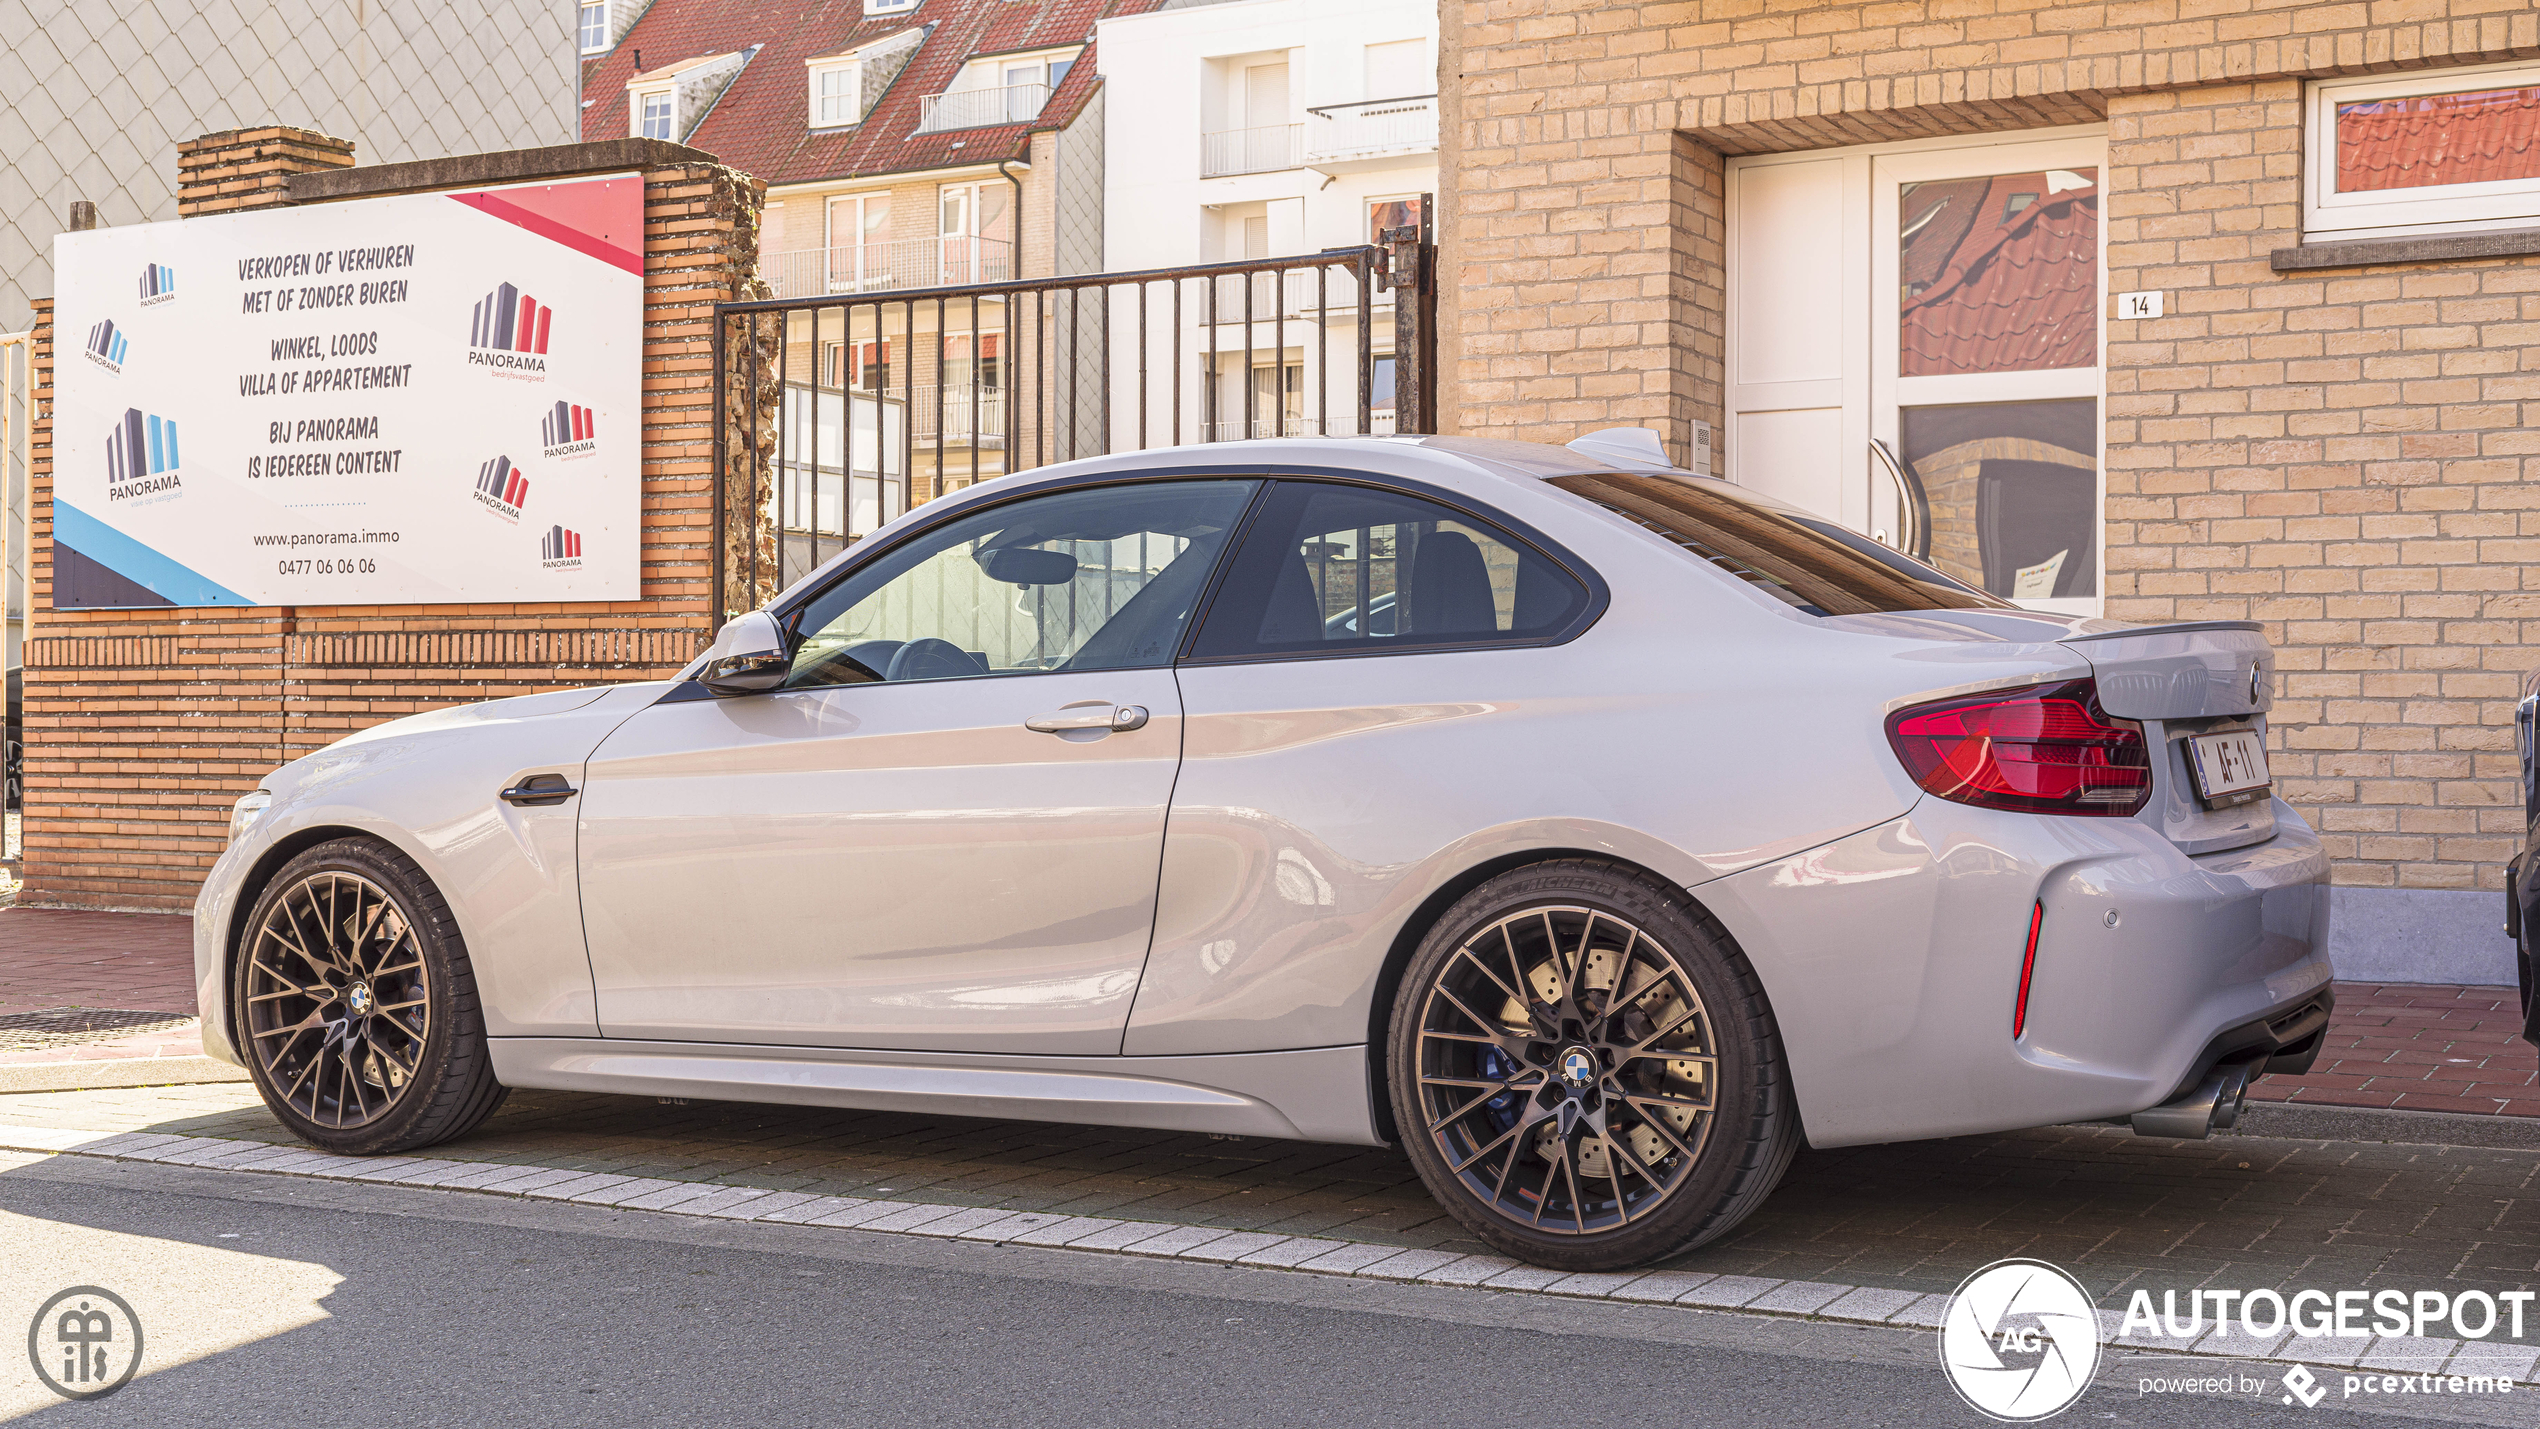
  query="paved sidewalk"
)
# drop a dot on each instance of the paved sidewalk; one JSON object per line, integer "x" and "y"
{"x": 54, "y": 959}
{"x": 2420, "y": 1048}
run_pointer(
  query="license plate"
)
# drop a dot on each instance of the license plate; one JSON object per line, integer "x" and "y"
{"x": 2231, "y": 768}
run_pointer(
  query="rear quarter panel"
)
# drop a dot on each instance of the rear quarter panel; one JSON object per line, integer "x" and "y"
{"x": 1695, "y": 729}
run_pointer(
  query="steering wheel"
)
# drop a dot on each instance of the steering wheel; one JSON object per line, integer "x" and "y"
{"x": 927, "y": 658}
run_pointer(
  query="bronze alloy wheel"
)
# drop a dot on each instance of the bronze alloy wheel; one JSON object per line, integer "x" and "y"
{"x": 338, "y": 999}
{"x": 1584, "y": 1068}
{"x": 354, "y": 1004}
{"x": 1567, "y": 1070}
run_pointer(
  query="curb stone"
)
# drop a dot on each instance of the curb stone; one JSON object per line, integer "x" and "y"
{"x": 1698, "y": 1293}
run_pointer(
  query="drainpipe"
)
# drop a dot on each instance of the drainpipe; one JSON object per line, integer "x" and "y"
{"x": 1018, "y": 217}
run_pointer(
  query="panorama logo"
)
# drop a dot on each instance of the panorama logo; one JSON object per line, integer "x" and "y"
{"x": 107, "y": 346}
{"x": 2020, "y": 1341}
{"x": 569, "y": 431}
{"x": 508, "y": 332}
{"x": 501, "y": 488}
{"x": 141, "y": 457}
{"x": 158, "y": 284}
{"x": 560, "y": 549}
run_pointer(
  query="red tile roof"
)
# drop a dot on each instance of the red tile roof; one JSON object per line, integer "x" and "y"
{"x": 2438, "y": 139}
{"x": 2003, "y": 288}
{"x": 761, "y": 124}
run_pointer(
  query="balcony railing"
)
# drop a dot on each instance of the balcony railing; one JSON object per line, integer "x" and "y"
{"x": 979, "y": 108}
{"x": 1251, "y": 151}
{"x": 881, "y": 267}
{"x": 1379, "y": 424}
{"x": 1373, "y": 127}
{"x": 963, "y": 413}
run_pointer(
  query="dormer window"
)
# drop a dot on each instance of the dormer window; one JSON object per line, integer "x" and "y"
{"x": 834, "y": 96}
{"x": 889, "y": 7}
{"x": 653, "y": 112}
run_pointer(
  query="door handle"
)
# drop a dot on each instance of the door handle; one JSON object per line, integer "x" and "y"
{"x": 539, "y": 790}
{"x": 1093, "y": 714}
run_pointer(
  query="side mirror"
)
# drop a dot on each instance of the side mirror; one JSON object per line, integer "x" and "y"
{"x": 747, "y": 656}
{"x": 1027, "y": 565}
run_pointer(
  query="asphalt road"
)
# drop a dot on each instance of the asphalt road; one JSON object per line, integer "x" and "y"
{"x": 315, "y": 1304}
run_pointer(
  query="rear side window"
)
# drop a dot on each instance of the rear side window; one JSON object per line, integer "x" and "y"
{"x": 1337, "y": 570}
{"x": 1811, "y": 563}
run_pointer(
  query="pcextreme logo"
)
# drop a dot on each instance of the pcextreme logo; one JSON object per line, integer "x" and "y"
{"x": 2020, "y": 1341}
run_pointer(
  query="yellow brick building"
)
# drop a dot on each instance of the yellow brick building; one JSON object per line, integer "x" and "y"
{"x": 2168, "y": 310}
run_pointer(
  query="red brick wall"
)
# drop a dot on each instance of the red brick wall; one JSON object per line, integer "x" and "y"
{"x": 143, "y": 727}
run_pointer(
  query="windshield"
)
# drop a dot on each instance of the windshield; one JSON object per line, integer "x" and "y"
{"x": 1810, "y": 563}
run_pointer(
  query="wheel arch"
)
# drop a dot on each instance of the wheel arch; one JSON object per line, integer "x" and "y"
{"x": 1416, "y": 927}
{"x": 251, "y": 891}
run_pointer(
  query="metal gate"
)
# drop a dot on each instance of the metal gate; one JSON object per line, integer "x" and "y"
{"x": 835, "y": 413}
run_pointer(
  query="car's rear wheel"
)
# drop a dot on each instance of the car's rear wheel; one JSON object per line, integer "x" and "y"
{"x": 1586, "y": 1072}
{"x": 356, "y": 1005}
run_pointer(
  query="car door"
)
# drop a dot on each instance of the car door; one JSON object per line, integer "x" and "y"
{"x": 1379, "y": 675}
{"x": 943, "y": 831}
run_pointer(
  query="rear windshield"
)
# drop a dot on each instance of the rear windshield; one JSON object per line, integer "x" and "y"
{"x": 1811, "y": 563}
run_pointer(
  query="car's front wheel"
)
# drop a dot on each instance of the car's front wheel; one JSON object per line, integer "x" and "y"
{"x": 356, "y": 1006}
{"x": 1585, "y": 1070}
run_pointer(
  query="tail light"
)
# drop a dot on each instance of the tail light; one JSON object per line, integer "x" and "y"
{"x": 2045, "y": 749}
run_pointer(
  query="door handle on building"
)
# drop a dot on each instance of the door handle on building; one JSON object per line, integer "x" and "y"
{"x": 1089, "y": 714}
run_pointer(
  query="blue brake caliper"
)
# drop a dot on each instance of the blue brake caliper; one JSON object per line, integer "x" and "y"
{"x": 1499, "y": 1066}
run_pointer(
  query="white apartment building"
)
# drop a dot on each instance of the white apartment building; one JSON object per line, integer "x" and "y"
{"x": 1267, "y": 129}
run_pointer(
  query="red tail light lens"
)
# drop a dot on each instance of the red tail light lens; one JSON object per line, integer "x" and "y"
{"x": 2046, "y": 749}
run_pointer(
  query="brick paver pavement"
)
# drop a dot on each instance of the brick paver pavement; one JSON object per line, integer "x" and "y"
{"x": 2420, "y": 1048}
{"x": 137, "y": 962}
{"x": 57, "y": 957}
{"x": 2119, "y": 1211}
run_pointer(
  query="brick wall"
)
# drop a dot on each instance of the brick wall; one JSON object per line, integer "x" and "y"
{"x": 2342, "y": 455}
{"x": 142, "y": 727}
{"x": 2337, "y": 454}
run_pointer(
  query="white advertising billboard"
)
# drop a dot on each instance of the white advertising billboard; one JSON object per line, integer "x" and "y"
{"x": 416, "y": 400}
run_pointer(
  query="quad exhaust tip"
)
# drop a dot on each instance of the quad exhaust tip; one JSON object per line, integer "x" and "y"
{"x": 2215, "y": 1103}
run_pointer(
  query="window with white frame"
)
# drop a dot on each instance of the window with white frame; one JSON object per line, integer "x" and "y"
{"x": 594, "y": 26}
{"x": 1915, "y": 351}
{"x": 2436, "y": 151}
{"x": 889, "y": 7}
{"x": 653, "y": 111}
{"x": 834, "y": 93}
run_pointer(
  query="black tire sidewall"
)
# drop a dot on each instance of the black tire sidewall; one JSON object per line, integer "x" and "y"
{"x": 1752, "y": 1102}
{"x": 446, "y": 1043}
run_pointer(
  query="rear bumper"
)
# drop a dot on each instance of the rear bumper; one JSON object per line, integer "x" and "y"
{"x": 1893, "y": 961}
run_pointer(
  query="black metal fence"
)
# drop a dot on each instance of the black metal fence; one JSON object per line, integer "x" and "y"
{"x": 836, "y": 412}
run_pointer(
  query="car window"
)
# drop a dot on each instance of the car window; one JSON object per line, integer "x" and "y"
{"x": 1095, "y": 579}
{"x": 1331, "y": 569}
{"x": 1805, "y": 560}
